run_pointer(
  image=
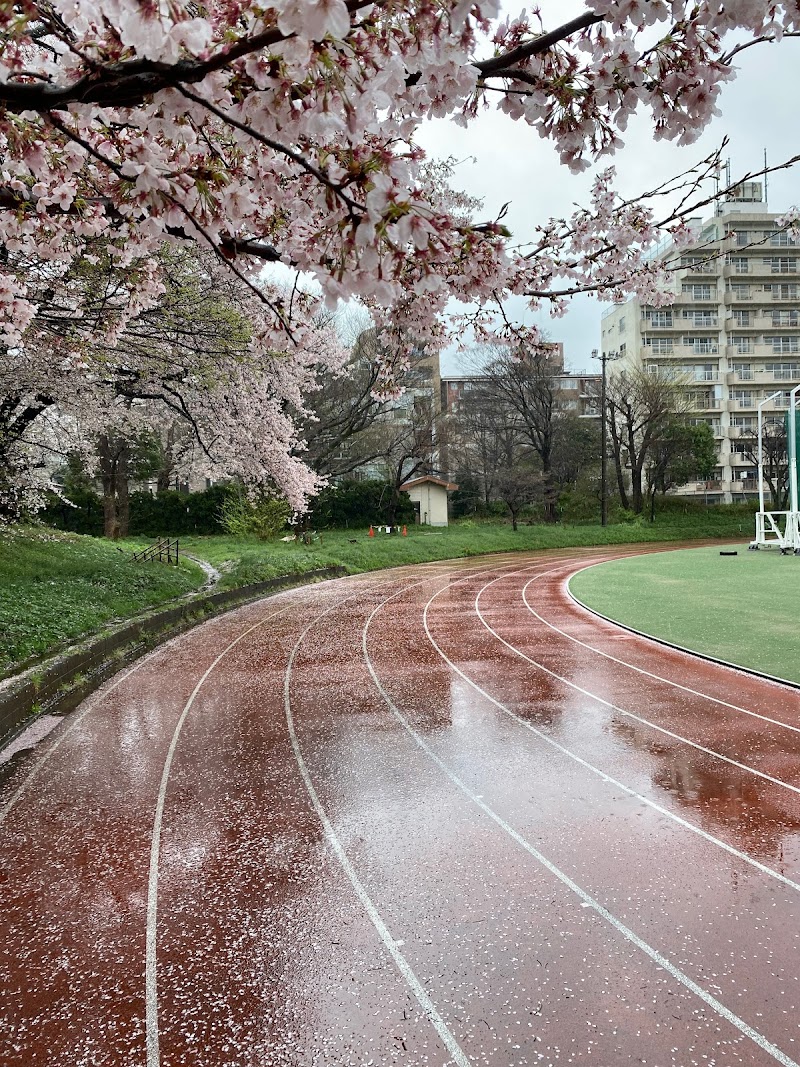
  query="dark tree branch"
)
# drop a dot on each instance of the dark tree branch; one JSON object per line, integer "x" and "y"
{"x": 128, "y": 83}
{"x": 495, "y": 66}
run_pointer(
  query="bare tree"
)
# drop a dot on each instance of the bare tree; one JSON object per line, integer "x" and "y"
{"x": 524, "y": 382}
{"x": 351, "y": 424}
{"x": 639, "y": 408}
{"x": 775, "y": 459}
{"x": 480, "y": 434}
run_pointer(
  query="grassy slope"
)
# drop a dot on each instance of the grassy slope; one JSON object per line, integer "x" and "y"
{"x": 56, "y": 586}
{"x": 740, "y": 608}
{"x": 244, "y": 561}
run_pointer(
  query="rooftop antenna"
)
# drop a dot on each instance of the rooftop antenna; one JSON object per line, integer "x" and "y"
{"x": 766, "y": 198}
{"x": 717, "y": 204}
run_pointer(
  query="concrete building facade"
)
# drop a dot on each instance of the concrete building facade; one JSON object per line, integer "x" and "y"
{"x": 733, "y": 331}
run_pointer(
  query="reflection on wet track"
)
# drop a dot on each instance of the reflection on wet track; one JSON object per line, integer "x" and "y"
{"x": 438, "y": 815}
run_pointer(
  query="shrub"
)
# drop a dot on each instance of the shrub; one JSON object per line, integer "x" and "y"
{"x": 357, "y": 504}
{"x": 264, "y": 516}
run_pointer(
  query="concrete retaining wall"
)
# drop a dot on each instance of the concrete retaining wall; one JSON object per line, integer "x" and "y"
{"x": 64, "y": 681}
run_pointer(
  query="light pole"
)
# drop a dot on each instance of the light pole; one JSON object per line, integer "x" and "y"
{"x": 604, "y": 358}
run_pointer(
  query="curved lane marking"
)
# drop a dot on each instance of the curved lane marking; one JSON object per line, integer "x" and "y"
{"x": 424, "y": 1001}
{"x": 629, "y": 714}
{"x": 641, "y": 670}
{"x": 609, "y": 779}
{"x": 151, "y": 967}
{"x": 151, "y": 937}
{"x": 744, "y": 1028}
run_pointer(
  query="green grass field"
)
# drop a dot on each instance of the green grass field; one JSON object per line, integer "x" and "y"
{"x": 742, "y": 608}
{"x": 244, "y": 561}
{"x": 56, "y": 586}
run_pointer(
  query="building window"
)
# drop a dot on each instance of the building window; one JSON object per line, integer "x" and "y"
{"x": 659, "y": 319}
{"x": 701, "y": 264}
{"x": 659, "y": 344}
{"x": 783, "y": 292}
{"x": 698, "y": 292}
{"x": 743, "y": 318}
{"x": 741, "y": 344}
{"x": 786, "y": 318}
{"x": 782, "y": 239}
{"x": 783, "y": 344}
{"x": 739, "y": 264}
{"x": 781, "y": 264}
{"x": 700, "y": 318}
{"x": 701, "y": 345}
{"x": 739, "y": 290}
{"x": 743, "y": 371}
{"x": 783, "y": 372}
{"x": 704, "y": 372}
{"x": 622, "y": 325}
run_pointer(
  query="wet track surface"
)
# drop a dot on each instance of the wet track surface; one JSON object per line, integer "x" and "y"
{"x": 437, "y": 815}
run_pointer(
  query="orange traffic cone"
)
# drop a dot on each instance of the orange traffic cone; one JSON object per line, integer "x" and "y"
{"x": 371, "y": 532}
{"x": 405, "y": 532}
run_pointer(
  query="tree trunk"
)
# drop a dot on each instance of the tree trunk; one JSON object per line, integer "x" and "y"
{"x": 164, "y": 476}
{"x": 114, "y": 472}
{"x": 616, "y": 446}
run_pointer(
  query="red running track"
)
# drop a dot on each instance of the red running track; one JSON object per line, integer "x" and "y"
{"x": 438, "y": 815}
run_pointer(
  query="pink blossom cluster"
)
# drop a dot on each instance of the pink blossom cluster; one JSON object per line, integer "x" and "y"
{"x": 286, "y": 132}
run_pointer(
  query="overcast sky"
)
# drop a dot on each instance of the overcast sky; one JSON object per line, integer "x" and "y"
{"x": 507, "y": 161}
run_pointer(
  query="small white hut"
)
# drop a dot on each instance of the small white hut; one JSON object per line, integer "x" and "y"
{"x": 429, "y": 497}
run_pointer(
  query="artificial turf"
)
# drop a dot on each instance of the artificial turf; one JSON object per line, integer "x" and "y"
{"x": 741, "y": 608}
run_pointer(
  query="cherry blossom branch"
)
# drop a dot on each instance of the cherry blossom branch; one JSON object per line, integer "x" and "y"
{"x": 130, "y": 82}
{"x": 498, "y": 66}
{"x": 281, "y": 149}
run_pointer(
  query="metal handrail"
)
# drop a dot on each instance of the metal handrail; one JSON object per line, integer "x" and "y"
{"x": 163, "y": 550}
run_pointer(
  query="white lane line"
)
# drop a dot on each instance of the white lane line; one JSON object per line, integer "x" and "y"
{"x": 151, "y": 969}
{"x": 744, "y": 1028}
{"x": 424, "y": 1001}
{"x": 151, "y": 938}
{"x": 90, "y": 704}
{"x": 628, "y": 714}
{"x": 641, "y": 670}
{"x": 609, "y": 779}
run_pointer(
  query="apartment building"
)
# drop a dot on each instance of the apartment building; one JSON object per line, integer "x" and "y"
{"x": 733, "y": 330}
{"x": 578, "y": 392}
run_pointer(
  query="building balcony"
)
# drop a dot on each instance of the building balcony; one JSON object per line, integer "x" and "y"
{"x": 700, "y": 270}
{"x": 757, "y": 269}
{"x": 689, "y": 352}
{"x": 757, "y": 376}
{"x": 760, "y": 323}
{"x": 754, "y": 298}
{"x": 762, "y": 352}
{"x": 679, "y": 324}
{"x": 704, "y": 403}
